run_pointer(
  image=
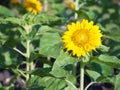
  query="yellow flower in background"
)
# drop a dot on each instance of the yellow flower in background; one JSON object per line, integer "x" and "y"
{"x": 67, "y": 2}
{"x": 82, "y": 37}
{"x": 14, "y": 1}
{"x": 72, "y": 6}
{"x": 70, "y": 3}
{"x": 33, "y": 5}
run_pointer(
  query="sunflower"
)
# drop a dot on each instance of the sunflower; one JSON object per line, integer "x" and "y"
{"x": 81, "y": 37}
{"x": 72, "y": 6}
{"x": 33, "y": 5}
{"x": 14, "y": 2}
{"x": 70, "y": 3}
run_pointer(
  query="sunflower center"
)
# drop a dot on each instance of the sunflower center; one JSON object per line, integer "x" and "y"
{"x": 33, "y": 5}
{"x": 79, "y": 37}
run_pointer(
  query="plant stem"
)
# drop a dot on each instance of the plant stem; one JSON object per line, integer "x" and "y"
{"x": 89, "y": 85}
{"x": 82, "y": 75}
{"x": 21, "y": 72}
{"x": 18, "y": 51}
{"x": 76, "y": 8}
{"x": 45, "y": 5}
{"x": 28, "y": 59}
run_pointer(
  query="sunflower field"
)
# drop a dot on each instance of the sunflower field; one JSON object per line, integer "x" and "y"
{"x": 59, "y": 44}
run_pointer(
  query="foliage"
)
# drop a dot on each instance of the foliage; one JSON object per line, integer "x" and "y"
{"x": 31, "y": 45}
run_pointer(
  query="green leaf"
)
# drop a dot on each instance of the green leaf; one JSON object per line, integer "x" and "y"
{"x": 59, "y": 73}
{"x": 110, "y": 28}
{"x": 46, "y": 83}
{"x": 93, "y": 75}
{"x": 108, "y": 60}
{"x": 105, "y": 79}
{"x": 104, "y": 48}
{"x": 50, "y": 44}
{"x": 113, "y": 36}
{"x": 102, "y": 28}
{"x": 54, "y": 84}
{"x": 45, "y": 28}
{"x": 56, "y": 8}
{"x": 103, "y": 69}
{"x": 14, "y": 20}
{"x": 69, "y": 87}
{"x": 41, "y": 72}
{"x": 5, "y": 11}
{"x": 64, "y": 59}
{"x": 63, "y": 65}
{"x": 106, "y": 70}
{"x": 35, "y": 83}
{"x": 46, "y": 19}
{"x": 82, "y": 14}
{"x": 71, "y": 81}
{"x": 117, "y": 83}
{"x": 34, "y": 31}
{"x": 91, "y": 15}
{"x": 8, "y": 58}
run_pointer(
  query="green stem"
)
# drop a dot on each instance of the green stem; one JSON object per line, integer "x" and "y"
{"x": 89, "y": 85}
{"x": 82, "y": 75}
{"x": 28, "y": 59}
{"x": 76, "y": 8}
{"x": 18, "y": 51}
{"x": 45, "y": 5}
{"x": 32, "y": 66}
{"x": 21, "y": 72}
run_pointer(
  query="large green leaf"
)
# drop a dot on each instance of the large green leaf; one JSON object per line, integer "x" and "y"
{"x": 54, "y": 84}
{"x": 35, "y": 83}
{"x": 64, "y": 59}
{"x": 59, "y": 73}
{"x": 41, "y": 72}
{"x": 93, "y": 74}
{"x": 45, "y": 28}
{"x": 110, "y": 28}
{"x": 108, "y": 60}
{"x": 5, "y": 11}
{"x": 63, "y": 65}
{"x": 8, "y": 58}
{"x": 51, "y": 83}
{"x": 103, "y": 69}
{"x": 46, "y": 19}
{"x": 50, "y": 44}
{"x": 46, "y": 83}
{"x": 12, "y": 20}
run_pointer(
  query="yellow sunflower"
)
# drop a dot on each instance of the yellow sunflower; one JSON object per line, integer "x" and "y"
{"x": 33, "y": 5}
{"x": 82, "y": 37}
{"x": 14, "y": 2}
{"x": 70, "y": 4}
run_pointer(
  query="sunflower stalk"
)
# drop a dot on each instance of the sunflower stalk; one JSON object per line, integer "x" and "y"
{"x": 76, "y": 8}
{"x": 45, "y": 5}
{"x": 28, "y": 59}
{"x": 29, "y": 64}
{"x": 82, "y": 65}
